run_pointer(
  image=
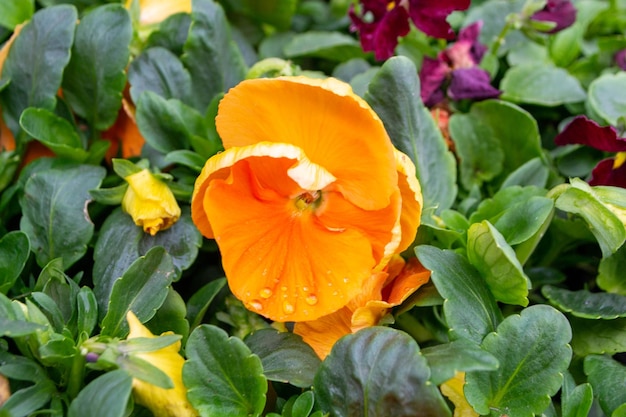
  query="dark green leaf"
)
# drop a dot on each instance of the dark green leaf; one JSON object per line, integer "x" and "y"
{"x": 277, "y": 13}
{"x": 541, "y": 84}
{"x": 171, "y": 33}
{"x": 598, "y": 336}
{"x": 470, "y": 309}
{"x": 460, "y": 355}
{"x": 611, "y": 272}
{"x": 222, "y": 376}
{"x": 14, "y": 252}
{"x": 144, "y": 370}
{"x": 187, "y": 158}
{"x": 607, "y": 378}
{"x": 201, "y": 300}
{"x": 531, "y": 347}
{"x": 160, "y": 71}
{"x": 604, "y": 101}
{"x": 50, "y": 309}
{"x": 585, "y": 304}
{"x": 378, "y": 372}
{"x": 55, "y": 212}
{"x": 95, "y": 77}
{"x": 58, "y": 351}
{"x": 87, "y": 310}
{"x": 285, "y": 357}
{"x": 303, "y": 404}
{"x": 335, "y": 46}
{"x": 12, "y": 13}
{"x": 142, "y": 289}
{"x": 36, "y": 61}
{"x": 394, "y": 94}
{"x": 171, "y": 316}
{"x": 212, "y": 57}
{"x": 105, "y": 396}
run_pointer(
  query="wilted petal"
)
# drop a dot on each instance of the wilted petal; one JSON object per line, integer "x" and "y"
{"x": 584, "y": 131}
{"x": 430, "y": 16}
{"x": 471, "y": 83}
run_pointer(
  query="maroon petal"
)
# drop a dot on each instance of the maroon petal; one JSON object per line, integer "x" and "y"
{"x": 432, "y": 76}
{"x": 604, "y": 174}
{"x": 470, "y": 34}
{"x": 430, "y": 16}
{"x": 561, "y": 12}
{"x": 584, "y": 131}
{"x": 471, "y": 83}
{"x": 381, "y": 35}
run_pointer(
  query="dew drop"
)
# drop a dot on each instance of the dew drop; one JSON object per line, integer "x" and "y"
{"x": 335, "y": 293}
{"x": 288, "y": 307}
{"x": 311, "y": 300}
{"x": 345, "y": 280}
{"x": 265, "y": 293}
{"x": 283, "y": 288}
{"x": 256, "y": 305}
{"x": 305, "y": 289}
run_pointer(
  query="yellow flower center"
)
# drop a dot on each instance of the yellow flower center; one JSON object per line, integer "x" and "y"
{"x": 308, "y": 200}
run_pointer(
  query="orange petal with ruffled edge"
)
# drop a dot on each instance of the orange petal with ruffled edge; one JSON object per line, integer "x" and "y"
{"x": 335, "y": 129}
{"x": 412, "y": 201}
{"x": 323, "y": 333}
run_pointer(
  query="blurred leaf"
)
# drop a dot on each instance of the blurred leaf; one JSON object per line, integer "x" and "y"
{"x": 576, "y": 401}
{"x": 598, "y": 336}
{"x": 378, "y": 372}
{"x": 36, "y": 62}
{"x": 142, "y": 289}
{"x": 334, "y": 46}
{"x": 585, "y": 304}
{"x": 200, "y": 301}
{"x": 493, "y": 14}
{"x": 395, "y": 96}
{"x": 14, "y": 12}
{"x": 171, "y": 33}
{"x": 187, "y": 158}
{"x": 55, "y": 216}
{"x": 470, "y": 309}
{"x": 14, "y": 252}
{"x": 160, "y": 71}
{"x": 277, "y": 13}
{"x": 461, "y": 355}
{"x": 105, "y": 396}
{"x": 544, "y": 85}
{"x": 535, "y": 173}
{"x": 604, "y": 101}
{"x": 10, "y": 324}
{"x": 222, "y": 376}
{"x": 95, "y": 77}
{"x": 212, "y": 57}
{"x": 531, "y": 347}
{"x": 285, "y": 357}
{"x": 611, "y": 272}
{"x": 607, "y": 378}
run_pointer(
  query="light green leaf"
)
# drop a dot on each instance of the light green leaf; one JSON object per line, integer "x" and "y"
{"x": 544, "y": 85}
{"x": 14, "y": 252}
{"x": 531, "y": 347}
{"x": 55, "y": 216}
{"x": 96, "y": 75}
{"x": 36, "y": 62}
{"x": 378, "y": 372}
{"x": 14, "y": 12}
{"x": 222, "y": 376}
{"x": 576, "y": 401}
{"x": 607, "y": 378}
{"x": 598, "y": 336}
{"x": 285, "y": 357}
{"x": 105, "y": 396}
{"x": 523, "y": 220}
{"x": 585, "y": 304}
{"x": 611, "y": 276}
{"x": 395, "y": 96}
{"x": 535, "y": 173}
{"x": 604, "y": 101}
{"x": 470, "y": 309}
{"x": 142, "y": 289}
{"x": 329, "y": 45}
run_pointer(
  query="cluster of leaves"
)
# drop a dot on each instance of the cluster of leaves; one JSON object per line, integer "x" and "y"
{"x": 527, "y": 295}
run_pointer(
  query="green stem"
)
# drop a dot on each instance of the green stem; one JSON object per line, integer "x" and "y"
{"x": 412, "y": 326}
{"x": 76, "y": 376}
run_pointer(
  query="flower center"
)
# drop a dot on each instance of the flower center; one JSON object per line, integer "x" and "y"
{"x": 308, "y": 200}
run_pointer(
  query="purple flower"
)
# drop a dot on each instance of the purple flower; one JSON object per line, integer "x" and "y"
{"x": 382, "y": 22}
{"x": 455, "y": 72}
{"x": 584, "y": 131}
{"x": 620, "y": 59}
{"x": 561, "y": 12}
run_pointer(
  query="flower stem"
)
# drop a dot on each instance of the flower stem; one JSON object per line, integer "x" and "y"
{"x": 76, "y": 376}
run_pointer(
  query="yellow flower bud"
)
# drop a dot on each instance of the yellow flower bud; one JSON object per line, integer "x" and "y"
{"x": 162, "y": 402}
{"x": 150, "y": 202}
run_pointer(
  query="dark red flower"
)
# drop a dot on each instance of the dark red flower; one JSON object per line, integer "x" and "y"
{"x": 429, "y": 16}
{"x": 620, "y": 59}
{"x": 561, "y": 12}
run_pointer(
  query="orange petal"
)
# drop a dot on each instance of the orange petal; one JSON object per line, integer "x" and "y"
{"x": 124, "y": 132}
{"x": 7, "y": 140}
{"x": 323, "y": 333}
{"x": 333, "y": 127}
{"x": 412, "y": 202}
{"x": 412, "y": 276}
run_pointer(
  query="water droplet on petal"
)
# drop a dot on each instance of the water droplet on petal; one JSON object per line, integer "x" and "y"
{"x": 305, "y": 289}
{"x": 311, "y": 300}
{"x": 256, "y": 305}
{"x": 345, "y": 280}
{"x": 283, "y": 288}
{"x": 335, "y": 293}
{"x": 288, "y": 307}
{"x": 265, "y": 293}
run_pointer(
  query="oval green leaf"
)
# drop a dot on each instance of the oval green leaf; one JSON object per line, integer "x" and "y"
{"x": 598, "y": 336}
{"x": 585, "y": 304}
{"x": 604, "y": 101}
{"x": 105, "y": 396}
{"x": 607, "y": 378}
{"x": 14, "y": 252}
{"x": 611, "y": 272}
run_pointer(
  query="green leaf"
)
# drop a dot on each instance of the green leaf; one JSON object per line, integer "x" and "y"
{"x": 55, "y": 216}
{"x": 535, "y": 172}
{"x": 493, "y": 14}
{"x": 492, "y": 256}
{"x": 460, "y": 355}
{"x": 531, "y": 347}
{"x": 10, "y": 324}
{"x": 377, "y": 372}
{"x": 285, "y": 357}
{"x": 142, "y": 289}
{"x": 470, "y": 309}
{"x": 277, "y": 13}
{"x": 87, "y": 311}
{"x": 12, "y": 13}
{"x": 36, "y": 61}
{"x": 544, "y": 85}
{"x": 55, "y": 132}
{"x": 187, "y": 158}
{"x": 144, "y": 370}
{"x": 105, "y": 396}
{"x": 576, "y": 401}
{"x": 610, "y": 272}
{"x": 160, "y": 71}
{"x": 394, "y": 94}
{"x": 604, "y": 101}
{"x": 222, "y": 376}
{"x": 171, "y": 316}
{"x": 523, "y": 220}
{"x": 334, "y": 46}
{"x": 212, "y": 57}
{"x": 121, "y": 242}
{"x": 607, "y": 378}
{"x": 598, "y": 336}
{"x": 585, "y": 304}
{"x": 14, "y": 252}
{"x": 95, "y": 77}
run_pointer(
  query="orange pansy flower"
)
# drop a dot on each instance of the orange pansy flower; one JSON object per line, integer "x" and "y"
{"x": 124, "y": 133}
{"x": 305, "y": 201}
{"x": 383, "y": 291}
